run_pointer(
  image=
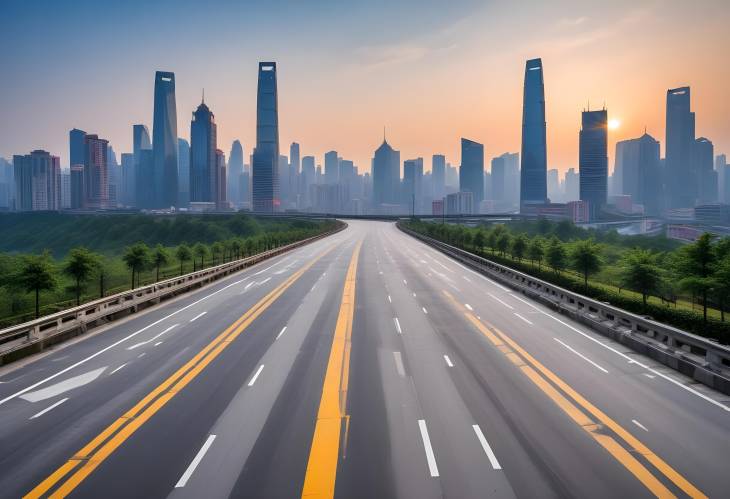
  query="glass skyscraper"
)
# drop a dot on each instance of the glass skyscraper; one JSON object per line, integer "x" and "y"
{"x": 203, "y": 163}
{"x": 143, "y": 177}
{"x": 533, "y": 172}
{"x": 593, "y": 160}
{"x": 164, "y": 141}
{"x": 266, "y": 154}
{"x": 471, "y": 173}
{"x": 680, "y": 177}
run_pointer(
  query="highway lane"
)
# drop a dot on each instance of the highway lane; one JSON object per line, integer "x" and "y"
{"x": 367, "y": 365}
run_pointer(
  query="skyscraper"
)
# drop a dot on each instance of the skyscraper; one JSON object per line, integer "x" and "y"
{"x": 164, "y": 141}
{"x": 593, "y": 160}
{"x": 331, "y": 167}
{"x": 96, "y": 173}
{"x": 498, "y": 178}
{"x": 438, "y": 174}
{"x": 37, "y": 181}
{"x": 183, "y": 172}
{"x": 220, "y": 178}
{"x": 308, "y": 178}
{"x": 235, "y": 170}
{"x": 680, "y": 136}
{"x": 703, "y": 153}
{"x": 266, "y": 153}
{"x": 127, "y": 180}
{"x": 533, "y": 181}
{"x": 143, "y": 174}
{"x": 294, "y": 157}
{"x": 413, "y": 185}
{"x": 471, "y": 173}
{"x": 203, "y": 162}
{"x": 76, "y": 146}
{"x": 572, "y": 185}
{"x": 641, "y": 175}
{"x": 386, "y": 175}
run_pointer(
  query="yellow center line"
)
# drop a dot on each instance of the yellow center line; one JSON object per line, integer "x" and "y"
{"x": 508, "y": 347}
{"x": 104, "y": 444}
{"x": 319, "y": 480}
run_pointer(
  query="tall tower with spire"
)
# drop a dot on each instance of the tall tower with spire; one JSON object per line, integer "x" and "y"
{"x": 533, "y": 170}
{"x": 203, "y": 145}
{"x": 266, "y": 154}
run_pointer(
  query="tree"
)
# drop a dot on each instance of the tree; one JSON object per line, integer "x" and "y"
{"x": 503, "y": 242}
{"x": 37, "y": 273}
{"x": 721, "y": 287}
{"x": 80, "y": 266}
{"x": 639, "y": 272}
{"x": 695, "y": 263}
{"x": 556, "y": 255}
{"x": 535, "y": 251}
{"x": 160, "y": 257}
{"x": 518, "y": 247}
{"x": 585, "y": 257}
{"x": 492, "y": 240}
{"x": 183, "y": 253}
{"x": 234, "y": 247}
{"x": 137, "y": 258}
{"x": 217, "y": 249}
{"x": 200, "y": 250}
{"x": 479, "y": 240}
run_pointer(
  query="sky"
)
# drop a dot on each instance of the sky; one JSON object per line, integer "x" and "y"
{"x": 428, "y": 72}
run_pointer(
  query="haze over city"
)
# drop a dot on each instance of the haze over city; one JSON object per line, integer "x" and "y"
{"x": 428, "y": 72}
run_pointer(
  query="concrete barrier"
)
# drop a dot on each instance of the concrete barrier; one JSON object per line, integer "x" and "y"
{"x": 36, "y": 335}
{"x": 702, "y": 359}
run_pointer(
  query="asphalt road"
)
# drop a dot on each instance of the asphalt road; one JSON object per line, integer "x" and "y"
{"x": 362, "y": 365}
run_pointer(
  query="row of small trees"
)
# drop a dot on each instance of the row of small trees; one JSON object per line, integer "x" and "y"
{"x": 40, "y": 273}
{"x": 701, "y": 268}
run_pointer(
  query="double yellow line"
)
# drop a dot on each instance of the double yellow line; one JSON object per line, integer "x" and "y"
{"x": 88, "y": 458}
{"x": 583, "y": 413}
{"x": 319, "y": 480}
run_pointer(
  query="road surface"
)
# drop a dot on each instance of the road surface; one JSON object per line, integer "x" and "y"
{"x": 362, "y": 365}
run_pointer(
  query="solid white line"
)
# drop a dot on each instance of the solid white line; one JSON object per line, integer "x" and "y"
{"x": 487, "y": 449}
{"x": 525, "y": 302}
{"x": 48, "y": 408}
{"x": 399, "y": 364}
{"x": 389, "y": 300}
{"x": 653, "y": 371}
{"x": 468, "y": 307}
{"x": 117, "y": 369}
{"x": 490, "y": 281}
{"x": 424, "y": 310}
{"x": 430, "y": 458}
{"x": 201, "y": 314}
{"x": 280, "y": 333}
{"x": 448, "y": 361}
{"x": 94, "y": 355}
{"x": 195, "y": 462}
{"x": 581, "y": 356}
{"x": 397, "y": 325}
{"x": 142, "y": 343}
{"x": 518, "y": 315}
{"x": 639, "y": 425}
{"x": 502, "y": 302}
{"x": 253, "y": 380}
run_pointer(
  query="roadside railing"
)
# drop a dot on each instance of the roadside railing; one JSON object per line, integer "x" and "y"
{"x": 702, "y": 359}
{"x": 36, "y": 335}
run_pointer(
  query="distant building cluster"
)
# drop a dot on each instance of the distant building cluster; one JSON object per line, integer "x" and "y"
{"x": 165, "y": 172}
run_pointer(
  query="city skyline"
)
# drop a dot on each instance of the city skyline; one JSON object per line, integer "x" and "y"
{"x": 317, "y": 113}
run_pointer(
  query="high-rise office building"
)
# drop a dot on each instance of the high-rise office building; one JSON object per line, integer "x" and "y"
{"x": 471, "y": 173}
{"x": 127, "y": 180}
{"x": 572, "y": 185}
{"x": 112, "y": 177}
{"x": 386, "y": 175}
{"x": 183, "y": 172}
{"x": 533, "y": 182}
{"x": 37, "y": 181}
{"x": 723, "y": 179}
{"x": 96, "y": 173}
{"x": 235, "y": 170}
{"x": 641, "y": 174}
{"x": 164, "y": 142}
{"x": 65, "y": 190}
{"x": 203, "y": 162}
{"x": 308, "y": 178}
{"x": 681, "y": 188}
{"x": 266, "y": 154}
{"x": 438, "y": 175}
{"x": 553, "y": 186}
{"x": 331, "y": 167}
{"x": 593, "y": 160}
{"x": 497, "y": 177}
{"x": 294, "y": 157}
{"x": 78, "y": 194}
{"x": 7, "y": 184}
{"x": 76, "y": 147}
{"x": 220, "y": 178}
{"x": 143, "y": 174}
{"x": 703, "y": 153}
{"x": 413, "y": 185}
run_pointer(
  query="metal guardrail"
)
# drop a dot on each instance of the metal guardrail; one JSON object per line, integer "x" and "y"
{"x": 33, "y": 336}
{"x": 702, "y": 359}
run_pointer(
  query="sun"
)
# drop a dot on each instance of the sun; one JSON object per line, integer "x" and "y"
{"x": 613, "y": 124}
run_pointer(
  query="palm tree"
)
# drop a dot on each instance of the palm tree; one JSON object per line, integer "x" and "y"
{"x": 80, "y": 266}
{"x": 183, "y": 253}
{"x": 37, "y": 273}
{"x": 137, "y": 258}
